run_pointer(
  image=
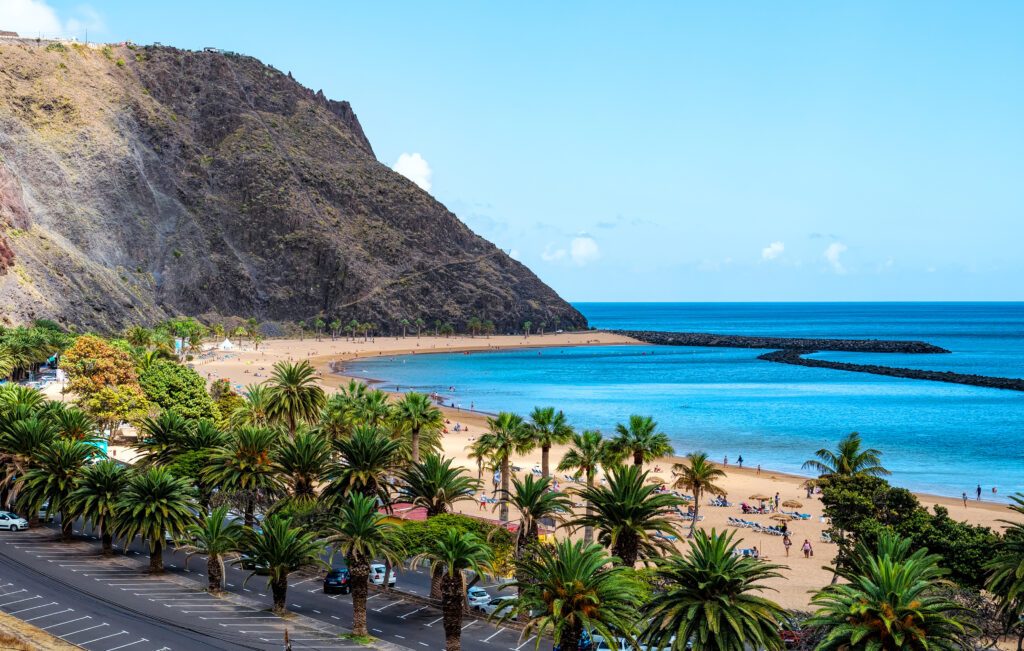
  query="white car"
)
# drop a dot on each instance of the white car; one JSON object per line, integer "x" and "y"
{"x": 377, "y": 572}
{"x": 477, "y": 598}
{"x": 12, "y": 522}
{"x": 497, "y": 605}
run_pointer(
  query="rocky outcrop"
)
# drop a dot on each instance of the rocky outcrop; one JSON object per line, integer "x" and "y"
{"x": 789, "y": 343}
{"x": 141, "y": 183}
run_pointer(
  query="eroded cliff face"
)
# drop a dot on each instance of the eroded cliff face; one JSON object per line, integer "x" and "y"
{"x": 139, "y": 183}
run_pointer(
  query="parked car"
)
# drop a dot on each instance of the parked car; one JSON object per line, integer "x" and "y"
{"x": 377, "y": 572}
{"x": 248, "y": 563}
{"x": 477, "y": 597}
{"x": 337, "y": 580}
{"x": 497, "y": 605}
{"x": 12, "y": 522}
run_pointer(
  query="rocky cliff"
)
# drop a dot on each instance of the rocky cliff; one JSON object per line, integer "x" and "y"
{"x": 142, "y": 182}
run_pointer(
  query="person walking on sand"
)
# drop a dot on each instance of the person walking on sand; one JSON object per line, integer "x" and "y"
{"x": 808, "y": 550}
{"x": 979, "y": 492}
{"x": 740, "y": 461}
{"x": 787, "y": 543}
{"x": 758, "y": 470}
{"x": 776, "y": 501}
{"x": 965, "y": 498}
{"x": 725, "y": 461}
{"x": 483, "y": 501}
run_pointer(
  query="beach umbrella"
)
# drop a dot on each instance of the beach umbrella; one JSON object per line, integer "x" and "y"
{"x": 759, "y": 497}
{"x": 782, "y": 517}
{"x": 657, "y": 480}
{"x": 792, "y": 504}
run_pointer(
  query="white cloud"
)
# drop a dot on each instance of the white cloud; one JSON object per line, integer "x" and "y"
{"x": 832, "y": 254}
{"x": 36, "y": 18}
{"x": 772, "y": 251}
{"x": 415, "y": 168}
{"x": 583, "y": 250}
{"x": 551, "y": 254}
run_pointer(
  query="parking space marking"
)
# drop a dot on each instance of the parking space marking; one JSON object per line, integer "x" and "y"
{"x": 129, "y": 644}
{"x": 470, "y": 624}
{"x": 435, "y": 621}
{"x": 70, "y": 621}
{"x": 488, "y": 639}
{"x": 59, "y": 612}
{"x": 105, "y": 637}
{"x": 20, "y": 600}
{"x": 388, "y": 605}
{"x": 525, "y": 643}
{"x": 412, "y": 613}
{"x": 25, "y": 610}
{"x": 67, "y": 635}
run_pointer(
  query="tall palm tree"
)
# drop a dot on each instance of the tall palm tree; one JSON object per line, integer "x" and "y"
{"x": 294, "y": 395}
{"x": 246, "y": 465}
{"x": 160, "y": 439}
{"x": 95, "y": 498}
{"x": 304, "y": 460}
{"x": 1006, "y": 570}
{"x": 73, "y": 423}
{"x": 451, "y": 555}
{"x": 698, "y": 476}
{"x": 20, "y": 440}
{"x": 535, "y": 501}
{"x": 51, "y": 479}
{"x": 548, "y": 428}
{"x": 281, "y": 549}
{"x": 589, "y": 452}
{"x": 710, "y": 601}
{"x": 153, "y": 504}
{"x": 574, "y": 587}
{"x": 477, "y": 451}
{"x": 373, "y": 410}
{"x": 435, "y": 485}
{"x": 363, "y": 534}
{"x": 255, "y": 409}
{"x": 507, "y": 435}
{"x": 630, "y": 516}
{"x": 213, "y": 537}
{"x": 894, "y": 600}
{"x": 847, "y": 459}
{"x": 642, "y": 439}
{"x": 413, "y": 414}
{"x": 366, "y": 457}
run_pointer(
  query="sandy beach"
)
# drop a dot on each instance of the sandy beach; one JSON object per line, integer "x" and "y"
{"x": 245, "y": 366}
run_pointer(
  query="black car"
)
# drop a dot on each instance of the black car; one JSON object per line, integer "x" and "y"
{"x": 337, "y": 580}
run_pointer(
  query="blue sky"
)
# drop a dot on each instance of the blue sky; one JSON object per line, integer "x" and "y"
{"x": 671, "y": 151}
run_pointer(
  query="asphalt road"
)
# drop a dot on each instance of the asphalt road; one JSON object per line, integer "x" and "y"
{"x": 63, "y": 582}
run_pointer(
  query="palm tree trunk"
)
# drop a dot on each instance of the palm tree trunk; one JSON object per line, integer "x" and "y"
{"x": 696, "y": 510}
{"x": 107, "y": 541}
{"x": 66, "y": 522}
{"x": 415, "y": 445}
{"x": 545, "y": 454}
{"x": 214, "y": 574}
{"x": 571, "y": 637}
{"x": 451, "y": 609}
{"x": 627, "y": 549}
{"x": 156, "y": 557}
{"x": 359, "y": 573}
{"x": 638, "y": 457}
{"x": 435, "y": 581}
{"x": 588, "y": 531}
{"x": 279, "y": 588}
{"x": 250, "y": 512}
{"x": 503, "y": 511}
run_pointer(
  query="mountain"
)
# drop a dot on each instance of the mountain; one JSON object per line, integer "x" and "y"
{"x": 138, "y": 183}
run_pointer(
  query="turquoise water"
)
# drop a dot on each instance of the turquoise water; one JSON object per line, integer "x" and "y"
{"x": 935, "y": 437}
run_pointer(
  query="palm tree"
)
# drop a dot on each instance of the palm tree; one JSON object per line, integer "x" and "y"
{"x": 574, "y": 587}
{"x": 294, "y": 395}
{"x": 160, "y": 439}
{"x": 51, "y": 479}
{"x": 641, "y": 439}
{"x": 280, "y": 549}
{"x": 19, "y": 441}
{"x": 214, "y": 536}
{"x": 549, "y": 428}
{"x": 255, "y": 410}
{"x": 414, "y": 413}
{"x": 362, "y": 534}
{"x": 893, "y": 600}
{"x": 153, "y": 504}
{"x": 304, "y": 459}
{"x": 203, "y": 435}
{"x": 535, "y": 501}
{"x": 366, "y": 457}
{"x": 709, "y": 602}
{"x": 450, "y": 556}
{"x": 589, "y": 451}
{"x": 477, "y": 451}
{"x": 372, "y": 410}
{"x": 698, "y": 476}
{"x": 507, "y": 435}
{"x": 847, "y": 459}
{"x": 630, "y": 516}
{"x": 95, "y": 498}
{"x": 1006, "y": 570}
{"x": 72, "y": 423}
{"x": 246, "y": 465}
{"x": 435, "y": 485}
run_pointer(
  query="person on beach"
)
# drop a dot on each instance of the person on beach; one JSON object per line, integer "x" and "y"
{"x": 787, "y": 543}
{"x": 776, "y": 501}
{"x": 758, "y": 470}
{"x": 965, "y": 498}
{"x": 483, "y": 501}
{"x": 979, "y": 492}
{"x": 808, "y": 550}
{"x": 725, "y": 461}
{"x": 740, "y": 461}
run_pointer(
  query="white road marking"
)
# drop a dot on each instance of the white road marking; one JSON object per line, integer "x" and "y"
{"x": 20, "y": 600}
{"x": 393, "y": 603}
{"x": 129, "y": 644}
{"x": 493, "y": 634}
{"x": 13, "y": 592}
{"x": 105, "y": 637}
{"x": 525, "y": 643}
{"x": 24, "y": 610}
{"x": 70, "y": 621}
{"x": 435, "y": 621}
{"x": 412, "y": 613}
{"x": 59, "y": 612}
{"x": 67, "y": 635}
{"x": 469, "y": 624}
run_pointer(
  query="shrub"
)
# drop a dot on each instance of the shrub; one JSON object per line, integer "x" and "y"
{"x": 173, "y": 386}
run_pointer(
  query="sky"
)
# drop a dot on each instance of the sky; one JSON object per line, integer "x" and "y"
{"x": 669, "y": 151}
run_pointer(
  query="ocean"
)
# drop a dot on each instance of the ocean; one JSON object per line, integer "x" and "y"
{"x": 935, "y": 437}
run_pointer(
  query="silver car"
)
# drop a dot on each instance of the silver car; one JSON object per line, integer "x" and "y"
{"x": 497, "y": 605}
{"x": 12, "y": 522}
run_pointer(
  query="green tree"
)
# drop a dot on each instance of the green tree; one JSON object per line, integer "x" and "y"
{"x": 362, "y": 534}
{"x": 507, "y": 435}
{"x": 51, "y": 479}
{"x": 161, "y": 439}
{"x": 405, "y": 326}
{"x": 173, "y": 386}
{"x": 420, "y": 324}
{"x": 847, "y": 459}
{"x": 154, "y": 503}
{"x": 304, "y": 460}
{"x": 435, "y": 485}
{"x": 588, "y": 453}
{"x": 573, "y": 587}
{"x": 294, "y": 395}
{"x": 214, "y": 536}
{"x": 335, "y": 328}
{"x": 1006, "y": 571}
{"x": 630, "y": 515}
{"x": 365, "y": 458}
{"x": 710, "y": 600}
{"x": 113, "y": 405}
{"x": 536, "y": 502}
{"x": 72, "y": 423}
{"x": 451, "y": 556}
{"x": 281, "y": 549}
{"x": 413, "y": 414}
{"x": 255, "y": 409}
{"x": 246, "y": 466}
{"x": 698, "y": 476}
{"x": 95, "y": 498}
{"x": 548, "y": 428}
{"x": 641, "y": 439}
{"x": 20, "y": 439}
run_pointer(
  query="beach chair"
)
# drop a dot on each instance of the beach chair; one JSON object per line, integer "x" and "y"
{"x": 825, "y": 537}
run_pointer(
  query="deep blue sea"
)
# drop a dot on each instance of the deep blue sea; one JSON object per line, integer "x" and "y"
{"x": 935, "y": 437}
